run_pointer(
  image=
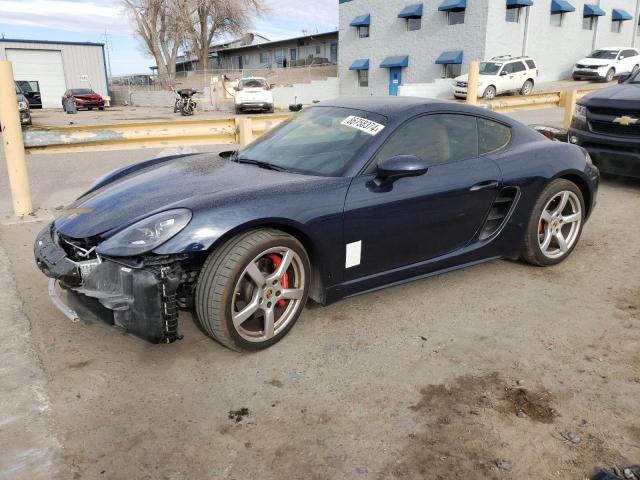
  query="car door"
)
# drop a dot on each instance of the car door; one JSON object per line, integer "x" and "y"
{"x": 420, "y": 218}
{"x": 520, "y": 75}
{"x": 628, "y": 59}
{"x": 505, "y": 78}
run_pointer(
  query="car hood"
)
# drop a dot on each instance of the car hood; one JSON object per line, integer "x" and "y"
{"x": 595, "y": 61}
{"x": 178, "y": 183}
{"x": 625, "y": 96}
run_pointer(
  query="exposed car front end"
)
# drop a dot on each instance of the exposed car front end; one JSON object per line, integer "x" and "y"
{"x": 607, "y": 125}
{"x": 460, "y": 84}
{"x": 88, "y": 101}
{"x": 591, "y": 69}
{"x": 24, "y": 110}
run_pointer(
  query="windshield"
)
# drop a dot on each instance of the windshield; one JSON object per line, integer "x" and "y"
{"x": 82, "y": 91}
{"x": 489, "y": 68}
{"x": 606, "y": 54}
{"x": 319, "y": 141}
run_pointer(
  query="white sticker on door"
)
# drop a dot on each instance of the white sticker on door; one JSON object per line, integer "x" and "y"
{"x": 353, "y": 254}
{"x": 362, "y": 124}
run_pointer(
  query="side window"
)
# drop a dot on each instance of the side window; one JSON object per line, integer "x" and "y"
{"x": 508, "y": 69}
{"x": 629, "y": 53}
{"x": 438, "y": 138}
{"x": 492, "y": 136}
{"x": 531, "y": 63}
{"x": 518, "y": 67}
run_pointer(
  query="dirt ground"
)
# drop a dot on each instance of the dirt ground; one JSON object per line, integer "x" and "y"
{"x": 440, "y": 378}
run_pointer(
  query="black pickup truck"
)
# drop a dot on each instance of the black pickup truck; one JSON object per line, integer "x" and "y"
{"x": 607, "y": 124}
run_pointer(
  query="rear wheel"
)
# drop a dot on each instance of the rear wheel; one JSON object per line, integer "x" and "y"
{"x": 252, "y": 289}
{"x": 555, "y": 224}
{"x": 634, "y": 70}
{"x": 527, "y": 88}
{"x": 489, "y": 93}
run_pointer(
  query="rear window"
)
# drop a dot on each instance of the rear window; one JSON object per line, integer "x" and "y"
{"x": 530, "y": 63}
{"x": 254, "y": 83}
{"x": 492, "y": 135}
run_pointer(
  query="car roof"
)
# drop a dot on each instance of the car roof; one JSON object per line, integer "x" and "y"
{"x": 400, "y": 108}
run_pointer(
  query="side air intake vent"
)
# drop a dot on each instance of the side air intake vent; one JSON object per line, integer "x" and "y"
{"x": 499, "y": 212}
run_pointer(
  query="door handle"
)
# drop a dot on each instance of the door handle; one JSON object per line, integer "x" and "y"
{"x": 484, "y": 185}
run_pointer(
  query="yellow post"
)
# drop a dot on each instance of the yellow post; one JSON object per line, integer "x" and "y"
{"x": 13, "y": 143}
{"x": 245, "y": 131}
{"x": 570, "y": 97}
{"x": 472, "y": 83}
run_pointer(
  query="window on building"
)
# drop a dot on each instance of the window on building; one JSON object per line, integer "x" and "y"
{"x": 363, "y": 78}
{"x": 265, "y": 57}
{"x": 436, "y": 139}
{"x": 616, "y": 26}
{"x": 492, "y": 136}
{"x": 363, "y": 31}
{"x": 513, "y": 14}
{"x": 317, "y": 49}
{"x": 456, "y": 17}
{"x": 452, "y": 70}
{"x": 589, "y": 23}
{"x": 556, "y": 19}
{"x": 245, "y": 60}
{"x": 414, "y": 24}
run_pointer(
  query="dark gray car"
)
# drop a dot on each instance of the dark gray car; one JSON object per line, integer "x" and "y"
{"x": 23, "y": 107}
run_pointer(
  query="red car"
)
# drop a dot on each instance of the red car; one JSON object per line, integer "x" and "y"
{"x": 84, "y": 98}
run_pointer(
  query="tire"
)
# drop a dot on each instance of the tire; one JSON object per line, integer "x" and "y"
{"x": 100, "y": 108}
{"x": 635, "y": 69}
{"x": 271, "y": 109}
{"x": 489, "y": 93}
{"x": 186, "y": 110}
{"x": 527, "y": 88}
{"x": 225, "y": 287}
{"x": 575, "y": 79}
{"x": 540, "y": 229}
{"x": 609, "y": 76}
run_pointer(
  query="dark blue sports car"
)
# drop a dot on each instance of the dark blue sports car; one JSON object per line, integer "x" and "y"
{"x": 347, "y": 197}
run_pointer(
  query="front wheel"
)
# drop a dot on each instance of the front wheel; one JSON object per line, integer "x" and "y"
{"x": 489, "y": 93}
{"x": 610, "y": 74}
{"x": 555, "y": 224}
{"x": 252, "y": 289}
{"x": 187, "y": 110}
{"x": 635, "y": 69}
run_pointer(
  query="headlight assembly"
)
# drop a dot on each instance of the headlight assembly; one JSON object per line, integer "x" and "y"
{"x": 22, "y": 105}
{"x": 580, "y": 112}
{"x": 147, "y": 234}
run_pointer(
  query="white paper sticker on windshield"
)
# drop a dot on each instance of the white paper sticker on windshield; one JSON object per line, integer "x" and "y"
{"x": 367, "y": 126}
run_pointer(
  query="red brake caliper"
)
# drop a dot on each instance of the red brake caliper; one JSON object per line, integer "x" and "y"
{"x": 285, "y": 278}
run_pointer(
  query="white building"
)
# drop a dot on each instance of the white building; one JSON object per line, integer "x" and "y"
{"x": 388, "y": 43}
{"x": 56, "y": 66}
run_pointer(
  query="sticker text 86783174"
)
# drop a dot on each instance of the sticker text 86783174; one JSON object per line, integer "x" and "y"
{"x": 362, "y": 124}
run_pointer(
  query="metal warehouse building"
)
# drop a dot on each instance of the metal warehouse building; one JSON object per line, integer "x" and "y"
{"x": 388, "y": 43}
{"x": 57, "y": 66}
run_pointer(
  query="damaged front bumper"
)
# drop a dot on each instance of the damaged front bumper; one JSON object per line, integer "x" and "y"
{"x": 139, "y": 296}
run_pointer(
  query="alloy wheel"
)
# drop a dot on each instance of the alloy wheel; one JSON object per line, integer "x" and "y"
{"x": 268, "y": 294}
{"x": 559, "y": 224}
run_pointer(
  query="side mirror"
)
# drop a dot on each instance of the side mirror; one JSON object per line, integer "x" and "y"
{"x": 503, "y": 73}
{"x": 624, "y": 77}
{"x": 394, "y": 168}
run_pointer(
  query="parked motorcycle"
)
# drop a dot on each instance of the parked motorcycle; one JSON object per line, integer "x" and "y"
{"x": 184, "y": 104}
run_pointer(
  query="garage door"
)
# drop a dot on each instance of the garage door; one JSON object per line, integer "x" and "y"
{"x": 43, "y": 66}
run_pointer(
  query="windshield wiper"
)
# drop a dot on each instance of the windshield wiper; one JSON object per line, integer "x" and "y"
{"x": 265, "y": 165}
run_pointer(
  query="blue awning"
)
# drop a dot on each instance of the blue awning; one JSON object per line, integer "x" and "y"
{"x": 591, "y": 10}
{"x": 453, "y": 5}
{"x": 361, "y": 21}
{"x": 618, "y": 15}
{"x": 360, "y": 64}
{"x": 561, "y": 6}
{"x": 519, "y": 3}
{"x": 412, "y": 11}
{"x": 399, "y": 61}
{"x": 449, "y": 58}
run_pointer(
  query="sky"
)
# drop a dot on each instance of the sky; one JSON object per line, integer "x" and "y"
{"x": 89, "y": 20}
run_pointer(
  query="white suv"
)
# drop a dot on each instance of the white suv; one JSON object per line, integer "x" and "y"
{"x": 500, "y": 75}
{"x": 606, "y": 63}
{"x": 253, "y": 94}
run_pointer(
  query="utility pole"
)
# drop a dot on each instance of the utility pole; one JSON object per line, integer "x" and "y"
{"x": 107, "y": 44}
{"x": 635, "y": 27}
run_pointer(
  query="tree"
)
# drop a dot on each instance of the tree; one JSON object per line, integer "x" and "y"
{"x": 162, "y": 29}
{"x": 211, "y": 19}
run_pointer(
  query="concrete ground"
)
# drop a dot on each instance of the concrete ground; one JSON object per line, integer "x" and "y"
{"x": 440, "y": 378}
